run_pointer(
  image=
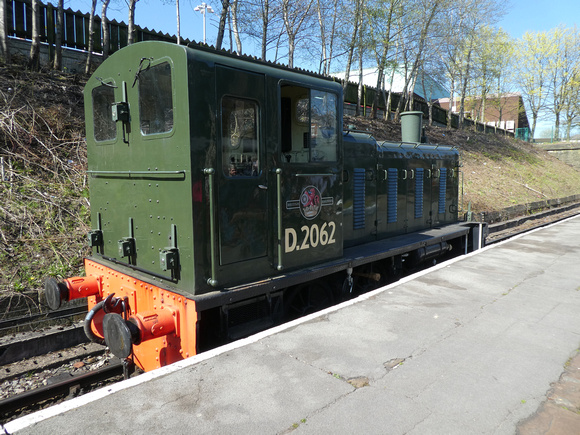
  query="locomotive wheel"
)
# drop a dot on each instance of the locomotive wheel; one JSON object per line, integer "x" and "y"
{"x": 308, "y": 298}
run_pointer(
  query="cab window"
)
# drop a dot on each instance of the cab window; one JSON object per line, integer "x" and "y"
{"x": 156, "y": 99}
{"x": 309, "y": 125}
{"x": 103, "y": 124}
{"x": 240, "y": 137}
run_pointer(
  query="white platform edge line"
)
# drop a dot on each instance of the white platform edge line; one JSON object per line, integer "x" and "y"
{"x": 28, "y": 420}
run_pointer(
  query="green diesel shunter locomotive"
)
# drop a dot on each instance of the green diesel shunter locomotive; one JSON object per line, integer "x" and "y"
{"x": 226, "y": 197}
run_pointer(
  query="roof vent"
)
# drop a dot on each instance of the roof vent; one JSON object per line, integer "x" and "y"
{"x": 411, "y": 127}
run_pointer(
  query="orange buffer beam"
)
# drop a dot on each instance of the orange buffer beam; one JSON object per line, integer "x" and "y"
{"x": 161, "y": 324}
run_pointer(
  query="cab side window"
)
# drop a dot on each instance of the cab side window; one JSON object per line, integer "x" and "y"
{"x": 156, "y": 99}
{"x": 103, "y": 124}
{"x": 308, "y": 125}
{"x": 240, "y": 137}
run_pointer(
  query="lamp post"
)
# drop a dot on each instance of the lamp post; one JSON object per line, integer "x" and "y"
{"x": 204, "y": 9}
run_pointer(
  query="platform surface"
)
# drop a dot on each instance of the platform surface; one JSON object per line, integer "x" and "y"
{"x": 470, "y": 346}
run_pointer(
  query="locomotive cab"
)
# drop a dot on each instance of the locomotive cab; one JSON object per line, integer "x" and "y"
{"x": 206, "y": 172}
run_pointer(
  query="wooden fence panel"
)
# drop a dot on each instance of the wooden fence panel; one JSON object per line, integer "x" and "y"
{"x": 42, "y": 23}
{"x": 28, "y": 18}
{"x": 79, "y": 32}
{"x": 98, "y": 42}
{"x": 123, "y": 36}
{"x": 50, "y": 31}
{"x": 69, "y": 29}
{"x": 113, "y": 38}
{"x": 19, "y": 28}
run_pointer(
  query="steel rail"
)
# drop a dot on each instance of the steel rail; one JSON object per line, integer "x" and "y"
{"x": 31, "y": 399}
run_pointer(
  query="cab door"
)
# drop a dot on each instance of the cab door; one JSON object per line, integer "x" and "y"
{"x": 241, "y": 175}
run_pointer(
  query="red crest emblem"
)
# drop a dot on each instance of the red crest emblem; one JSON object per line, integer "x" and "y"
{"x": 310, "y": 202}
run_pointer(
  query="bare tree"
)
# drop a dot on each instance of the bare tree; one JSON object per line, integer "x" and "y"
{"x": 327, "y": 14}
{"x": 262, "y": 21}
{"x": 222, "y": 24}
{"x": 57, "y": 64}
{"x": 382, "y": 20}
{"x": 91, "y": 37}
{"x": 131, "y": 22}
{"x": 429, "y": 8}
{"x": 352, "y": 42}
{"x": 105, "y": 29}
{"x": 35, "y": 46}
{"x": 265, "y": 21}
{"x": 295, "y": 14}
{"x": 235, "y": 25}
{"x": 178, "y": 17}
{"x": 4, "y": 32}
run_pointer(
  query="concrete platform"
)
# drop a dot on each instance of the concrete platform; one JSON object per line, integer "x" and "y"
{"x": 471, "y": 346}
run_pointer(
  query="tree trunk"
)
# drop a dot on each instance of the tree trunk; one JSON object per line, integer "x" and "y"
{"x": 294, "y": 17}
{"x": 332, "y": 36}
{"x": 380, "y": 87}
{"x": 222, "y": 24}
{"x": 265, "y": 20}
{"x": 357, "y": 18}
{"x": 105, "y": 27}
{"x": 4, "y": 32}
{"x": 91, "y": 37}
{"x": 323, "y": 55}
{"x": 57, "y": 65}
{"x": 390, "y": 98}
{"x": 35, "y": 46}
{"x": 235, "y": 26}
{"x": 131, "y": 18}
{"x": 360, "y": 93}
{"x": 451, "y": 102}
{"x": 534, "y": 121}
{"x": 464, "y": 90}
{"x": 178, "y": 17}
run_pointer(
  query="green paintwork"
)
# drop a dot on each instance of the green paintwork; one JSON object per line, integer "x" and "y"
{"x": 146, "y": 188}
{"x": 363, "y": 152}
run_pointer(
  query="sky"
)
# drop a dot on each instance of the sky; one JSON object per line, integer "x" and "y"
{"x": 539, "y": 15}
{"x": 522, "y": 15}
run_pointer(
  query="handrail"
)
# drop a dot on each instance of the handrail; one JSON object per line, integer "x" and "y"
{"x": 313, "y": 175}
{"x": 136, "y": 173}
{"x": 279, "y": 217}
{"x": 210, "y": 175}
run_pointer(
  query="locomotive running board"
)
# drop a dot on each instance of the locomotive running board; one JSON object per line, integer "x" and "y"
{"x": 353, "y": 257}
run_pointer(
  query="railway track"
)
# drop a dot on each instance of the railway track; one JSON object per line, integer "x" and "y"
{"x": 504, "y": 230}
{"x": 38, "y": 319}
{"x": 53, "y": 393}
{"x": 61, "y": 387}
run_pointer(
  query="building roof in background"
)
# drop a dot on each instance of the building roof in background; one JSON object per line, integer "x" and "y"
{"x": 432, "y": 90}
